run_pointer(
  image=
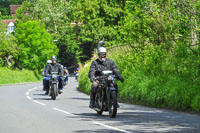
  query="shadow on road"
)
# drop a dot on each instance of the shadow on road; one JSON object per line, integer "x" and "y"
{"x": 42, "y": 98}
{"x": 39, "y": 94}
{"x": 85, "y": 99}
{"x": 97, "y": 131}
{"x": 147, "y": 121}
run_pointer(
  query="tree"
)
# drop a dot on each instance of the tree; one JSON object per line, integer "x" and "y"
{"x": 5, "y": 5}
{"x": 8, "y": 47}
{"x": 35, "y": 45}
{"x": 56, "y": 16}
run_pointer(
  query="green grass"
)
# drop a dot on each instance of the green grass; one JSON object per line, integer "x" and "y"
{"x": 8, "y": 76}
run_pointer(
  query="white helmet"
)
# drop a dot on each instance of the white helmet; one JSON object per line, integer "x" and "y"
{"x": 49, "y": 61}
{"x": 101, "y": 50}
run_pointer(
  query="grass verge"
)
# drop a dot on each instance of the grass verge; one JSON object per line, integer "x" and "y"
{"x": 8, "y": 76}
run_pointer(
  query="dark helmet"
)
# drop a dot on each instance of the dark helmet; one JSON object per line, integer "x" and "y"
{"x": 101, "y": 44}
{"x": 53, "y": 58}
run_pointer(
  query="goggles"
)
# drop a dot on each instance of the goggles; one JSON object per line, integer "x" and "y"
{"x": 103, "y": 54}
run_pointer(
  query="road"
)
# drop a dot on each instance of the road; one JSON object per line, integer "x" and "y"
{"x": 25, "y": 109}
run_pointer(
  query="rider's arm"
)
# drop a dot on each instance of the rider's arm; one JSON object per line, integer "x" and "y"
{"x": 116, "y": 71}
{"x": 61, "y": 71}
{"x": 46, "y": 71}
{"x": 114, "y": 68}
{"x": 43, "y": 72}
{"x": 92, "y": 71}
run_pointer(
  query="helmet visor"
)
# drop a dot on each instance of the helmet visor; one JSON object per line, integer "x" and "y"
{"x": 102, "y": 55}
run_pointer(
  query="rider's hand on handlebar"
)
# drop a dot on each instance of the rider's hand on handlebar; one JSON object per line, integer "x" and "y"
{"x": 92, "y": 79}
{"x": 120, "y": 78}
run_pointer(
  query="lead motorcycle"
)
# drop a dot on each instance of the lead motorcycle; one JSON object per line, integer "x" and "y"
{"x": 106, "y": 94}
{"x": 53, "y": 83}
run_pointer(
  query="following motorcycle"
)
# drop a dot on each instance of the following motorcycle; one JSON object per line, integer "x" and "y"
{"x": 106, "y": 94}
{"x": 76, "y": 75}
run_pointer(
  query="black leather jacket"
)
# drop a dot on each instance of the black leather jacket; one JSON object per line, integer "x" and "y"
{"x": 99, "y": 66}
{"x": 54, "y": 68}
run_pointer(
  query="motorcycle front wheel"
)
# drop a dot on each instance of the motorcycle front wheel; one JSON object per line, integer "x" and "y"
{"x": 112, "y": 106}
{"x": 54, "y": 91}
{"x": 99, "y": 104}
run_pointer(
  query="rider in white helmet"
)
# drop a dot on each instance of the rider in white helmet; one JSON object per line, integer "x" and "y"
{"x": 99, "y": 65}
{"x": 43, "y": 73}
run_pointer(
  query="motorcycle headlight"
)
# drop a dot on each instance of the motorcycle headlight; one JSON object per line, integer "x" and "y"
{"x": 54, "y": 76}
{"x": 110, "y": 77}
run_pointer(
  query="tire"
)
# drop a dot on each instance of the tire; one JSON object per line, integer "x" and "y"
{"x": 112, "y": 107}
{"x": 97, "y": 101}
{"x": 54, "y": 91}
{"x": 100, "y": 112}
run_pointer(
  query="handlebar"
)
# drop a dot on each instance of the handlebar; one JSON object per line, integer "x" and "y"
{"x": 57, "y": 75}
{"x": 100, "y": 77}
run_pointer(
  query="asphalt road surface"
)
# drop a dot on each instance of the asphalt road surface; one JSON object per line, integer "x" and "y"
{"x": 25, "y": 109}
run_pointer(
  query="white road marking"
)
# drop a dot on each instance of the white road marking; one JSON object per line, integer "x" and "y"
{"x": 110, "y": 127}
{"x": 35, "y": 88}
{"x": 63, "y": 111}
{"x": 38, "y": 102}
{"x": 29, "y": 97}
{"x": 60, "y": 110}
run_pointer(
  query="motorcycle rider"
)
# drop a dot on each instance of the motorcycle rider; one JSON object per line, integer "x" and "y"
{"x": 76, "y": 73}
{"x": 43, "y": 73}
{"x": 99, "y": 65}
{"x": 66, "y": 73}
{"x": 55, "y": 67}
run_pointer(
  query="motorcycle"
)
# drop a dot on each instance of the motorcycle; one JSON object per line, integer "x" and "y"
{"x": 106, "y": 94}
{"x": 76, "y": 75}
{"x": 53, "y": 89}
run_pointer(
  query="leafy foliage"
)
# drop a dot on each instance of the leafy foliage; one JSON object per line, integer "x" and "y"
{"x": 7, "y": 17}
{"x": 5, "y": 5}
{"x": 55, "y": 15}
{"x": 35, "y": 45}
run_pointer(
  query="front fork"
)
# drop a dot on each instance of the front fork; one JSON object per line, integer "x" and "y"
{"x": 108, "y": 93}
{"x": 51, "y": 86}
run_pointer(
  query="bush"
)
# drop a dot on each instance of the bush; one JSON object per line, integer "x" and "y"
{"x": 7, "y": 17}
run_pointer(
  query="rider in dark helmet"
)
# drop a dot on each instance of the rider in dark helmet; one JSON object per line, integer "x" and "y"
{"x": 99, "y": 65}
{"x": 56, "y": 67}
{"x": 101, "y": 44}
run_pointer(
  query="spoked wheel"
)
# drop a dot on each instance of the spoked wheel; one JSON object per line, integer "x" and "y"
{"x": 99, "y": 104}
{"x": 54, "y": 92}
{"x": 112, "y": 106}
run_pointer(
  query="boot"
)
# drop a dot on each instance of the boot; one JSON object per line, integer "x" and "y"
{"x": 118, "y": 105}
{"x": 47, "y": 92}
{"x": 92, "y": 97}
{"x": 91, "y": 104}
